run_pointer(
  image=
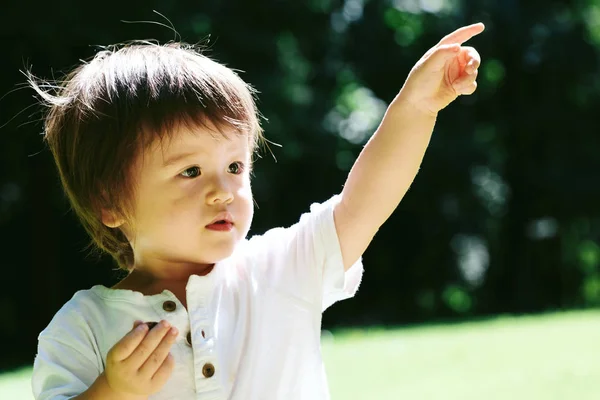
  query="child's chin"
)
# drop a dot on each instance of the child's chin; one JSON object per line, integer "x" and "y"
{"x": 221, "y": 252}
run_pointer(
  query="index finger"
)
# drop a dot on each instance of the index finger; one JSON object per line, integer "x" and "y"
{"x": 124, "y": 347}
{"x": 463, "y": 34}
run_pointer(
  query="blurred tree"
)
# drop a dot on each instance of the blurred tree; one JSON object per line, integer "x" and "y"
{"x": 503, "y": 216}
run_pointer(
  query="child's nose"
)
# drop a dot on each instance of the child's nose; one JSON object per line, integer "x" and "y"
{"x": 219, "y": 193}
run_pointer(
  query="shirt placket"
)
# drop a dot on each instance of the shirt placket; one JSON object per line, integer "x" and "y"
{"x": 169, "y": 308}
{"x": 201, "y": 338}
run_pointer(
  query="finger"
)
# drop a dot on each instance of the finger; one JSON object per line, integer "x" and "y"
{"x": 439, "y": 57}
{"x": 466, "y": 87}
{"x": 148, "y": 345}
{"x": 466, "y": 79}
{"x": 125, "y": 347}
{"x": 471, "y": 58}
{"x": 471, "y": 66}
{"x": 164, "y": 371}
{"x": 468, "y": 90}
{"x": 463, "y": 34}
{"x": 158, "y": 356}
{"x": 151, "y": 324}
{"x": 136, "y": 323}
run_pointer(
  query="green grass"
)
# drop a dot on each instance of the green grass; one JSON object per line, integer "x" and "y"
{"x": 548, "y": 357}
{"x": 555, "y": 356}
{"x": 16, "y": 385}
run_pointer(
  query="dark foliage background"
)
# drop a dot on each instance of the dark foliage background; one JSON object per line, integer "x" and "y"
{"x": 502, "y": 218}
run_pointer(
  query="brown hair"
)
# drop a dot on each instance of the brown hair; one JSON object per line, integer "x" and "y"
{"x": 109, "y": 109}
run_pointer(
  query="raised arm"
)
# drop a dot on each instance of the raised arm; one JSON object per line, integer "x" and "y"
{"x": 390, "y": 160}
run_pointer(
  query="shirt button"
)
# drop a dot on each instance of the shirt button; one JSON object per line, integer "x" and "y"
{"x": 208, "y": 370}
{"x": 188, "y": 338}
{"x": 169, "y": 306}
{"x": 151, "y": 324}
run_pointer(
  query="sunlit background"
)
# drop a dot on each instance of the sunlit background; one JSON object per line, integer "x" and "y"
{"x": 484, "y": 283}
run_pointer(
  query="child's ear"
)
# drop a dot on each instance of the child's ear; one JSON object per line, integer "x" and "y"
{"x": 111, "y": 219}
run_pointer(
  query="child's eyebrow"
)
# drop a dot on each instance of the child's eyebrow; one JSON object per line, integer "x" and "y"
{"x": 175, "y": 158}
{"x": 178, "y": 157}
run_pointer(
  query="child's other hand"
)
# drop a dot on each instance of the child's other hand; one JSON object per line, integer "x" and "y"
{"x": 140, "y": 363}
{"x": 446, "y": 71}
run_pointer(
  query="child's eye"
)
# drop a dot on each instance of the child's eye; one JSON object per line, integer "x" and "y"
{"x": 192, "y": 172}
{"x": 236, "y": 168}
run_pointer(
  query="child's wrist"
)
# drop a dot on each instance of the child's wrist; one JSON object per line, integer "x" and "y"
{"x": 405, "y": 104}
{"x": 404, "y": 109}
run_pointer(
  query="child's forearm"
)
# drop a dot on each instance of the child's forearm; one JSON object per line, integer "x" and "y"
{"x": 102, "y": 391}
{"x": 381, "y": 175}
{"x": 389, "y": 162}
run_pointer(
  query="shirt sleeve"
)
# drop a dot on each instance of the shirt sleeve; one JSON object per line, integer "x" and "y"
{"x": 305, "y": 260}
{"x": 65, "y": 364}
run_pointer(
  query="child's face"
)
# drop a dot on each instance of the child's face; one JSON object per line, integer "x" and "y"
{"x": 193, "y": 201}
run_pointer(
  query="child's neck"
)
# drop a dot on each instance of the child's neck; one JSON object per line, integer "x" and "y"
{"x": 149, "y": 284}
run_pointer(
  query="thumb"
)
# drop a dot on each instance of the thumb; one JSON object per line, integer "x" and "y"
{"x": 438, "y": 58}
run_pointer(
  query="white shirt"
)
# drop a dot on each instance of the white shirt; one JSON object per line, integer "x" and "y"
{"x": 254, "y": 322}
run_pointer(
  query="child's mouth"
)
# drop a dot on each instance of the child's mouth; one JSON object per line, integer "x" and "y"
{"x": 221, "y": 225}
